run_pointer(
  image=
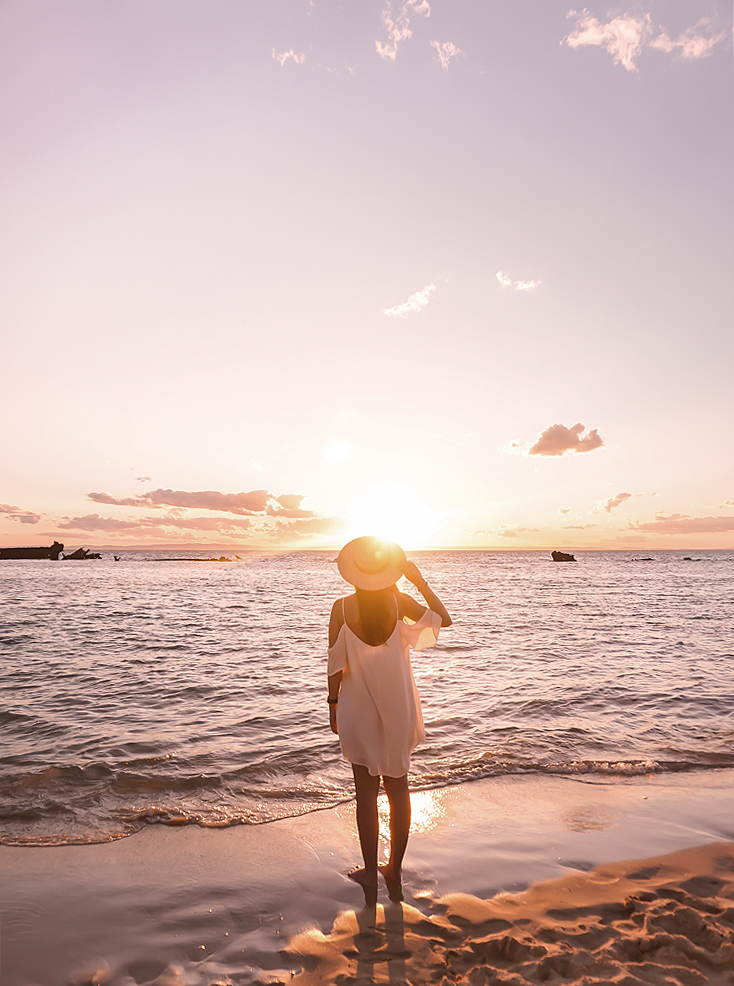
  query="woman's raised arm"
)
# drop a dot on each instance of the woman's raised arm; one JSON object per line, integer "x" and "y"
{"x": 413, "y": 575}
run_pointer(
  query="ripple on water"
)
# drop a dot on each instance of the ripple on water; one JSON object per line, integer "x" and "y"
{"x": 194, "y": 693}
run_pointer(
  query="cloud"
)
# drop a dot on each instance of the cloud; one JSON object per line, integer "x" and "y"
{"x": 578, "y": 527}
{"x": 615, "y": 501}
{"x": 446, "y": 51}
{"x": 289, "y": 505}
{"x": 513, "y": 532}
{"x": 93, "y": 522}
{"x": 290, "y": 501}
{"x": 254, "y": 502}
{"x": 107, "y": 498}
{"x": 283, "y": 56}
{"x": 558, "y": 439}
{"x": 684, "y": 524}
{"x": 691, "y": 44}
{"x": 564, "y": 510}
{"x": 309, "y": 528}
{"x": 507, "y": 282}
{"x": 142, "y": 479}
{"x": 515, "y": 447}
{"x": 262, "y": 514}
{"x": 414, "y": 303}
{"x": 17, "y": 513}
{"x": 625, "y": 36}
{"x": 398, "y": 27}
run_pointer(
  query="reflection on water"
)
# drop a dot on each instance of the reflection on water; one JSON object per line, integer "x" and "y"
{"x": 427, "y": 810}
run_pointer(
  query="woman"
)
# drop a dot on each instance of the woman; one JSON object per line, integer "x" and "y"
{"x": 373, "y": 701}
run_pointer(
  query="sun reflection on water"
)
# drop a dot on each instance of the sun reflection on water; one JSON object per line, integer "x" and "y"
{"x": 427, "y": 810}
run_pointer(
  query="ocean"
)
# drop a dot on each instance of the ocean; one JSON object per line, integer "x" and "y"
{"x": 165, "y": 688}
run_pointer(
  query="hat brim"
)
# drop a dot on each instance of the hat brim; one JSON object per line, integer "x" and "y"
{"x": 361, "y": 578}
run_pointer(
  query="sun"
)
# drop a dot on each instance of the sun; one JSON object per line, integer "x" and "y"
{"x": 392, "y": 511}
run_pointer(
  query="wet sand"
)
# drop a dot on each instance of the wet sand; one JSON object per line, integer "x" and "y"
{"x": 507, "y": 880}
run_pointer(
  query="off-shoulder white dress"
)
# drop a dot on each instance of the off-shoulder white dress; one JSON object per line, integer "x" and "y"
{"x": 379, "y": 715}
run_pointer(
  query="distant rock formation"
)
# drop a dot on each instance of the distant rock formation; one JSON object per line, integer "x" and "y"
{"x": 81, "y": 554}
{"x": 561, "y": 556}
{"x": 53, "y": 552}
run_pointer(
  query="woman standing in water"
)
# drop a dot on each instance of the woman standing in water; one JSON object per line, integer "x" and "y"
{"x": 373, "y": 701}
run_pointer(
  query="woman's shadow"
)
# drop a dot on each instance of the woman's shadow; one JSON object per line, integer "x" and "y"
{"x": 380, "y": 940}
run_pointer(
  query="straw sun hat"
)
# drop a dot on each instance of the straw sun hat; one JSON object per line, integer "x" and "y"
{"x": 371, "y": 563}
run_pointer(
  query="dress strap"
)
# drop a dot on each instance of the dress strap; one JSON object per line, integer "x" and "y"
{"x": 344, "y": 619}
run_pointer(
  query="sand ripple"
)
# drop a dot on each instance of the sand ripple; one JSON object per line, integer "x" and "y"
{"x": 668, "y": 920}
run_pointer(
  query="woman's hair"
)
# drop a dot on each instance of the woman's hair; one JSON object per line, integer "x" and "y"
{"x": 375, "y": 608}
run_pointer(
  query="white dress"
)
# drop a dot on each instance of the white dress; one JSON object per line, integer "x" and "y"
{"x": 379, "y": 715}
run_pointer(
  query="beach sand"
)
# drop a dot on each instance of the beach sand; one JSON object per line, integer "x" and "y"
{"x": 507, "y": 880}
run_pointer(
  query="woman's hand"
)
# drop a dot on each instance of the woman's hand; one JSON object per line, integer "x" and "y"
{"x": 413, "y": 575}
{"x": 332, "y": 718}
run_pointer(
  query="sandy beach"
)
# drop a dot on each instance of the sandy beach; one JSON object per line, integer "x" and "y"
{"x": 508, "y": 880}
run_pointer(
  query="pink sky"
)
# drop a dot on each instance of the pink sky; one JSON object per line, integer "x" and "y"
{"x": 279, "y": 274}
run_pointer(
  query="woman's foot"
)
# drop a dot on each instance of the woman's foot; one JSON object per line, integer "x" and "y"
{"x": 394, "y": 882}
{"x": 359, "y": 875}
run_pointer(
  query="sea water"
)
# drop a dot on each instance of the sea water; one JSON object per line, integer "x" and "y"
{"x": 167, "y": 688}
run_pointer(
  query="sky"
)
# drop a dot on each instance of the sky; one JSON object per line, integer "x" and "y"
{"x": 279, "y": 274}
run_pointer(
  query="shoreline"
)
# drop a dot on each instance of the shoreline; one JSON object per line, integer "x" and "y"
{"x": 193, "y": 905}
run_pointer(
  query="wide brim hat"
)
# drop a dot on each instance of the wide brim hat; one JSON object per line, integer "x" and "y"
{"x": 371, "y": 563}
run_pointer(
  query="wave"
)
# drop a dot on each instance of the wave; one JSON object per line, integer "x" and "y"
{"x": 51, "y": 818}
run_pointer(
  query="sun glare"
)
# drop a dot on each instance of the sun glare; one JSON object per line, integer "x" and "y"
{"x": 427, "y": 810}
{"x": 393, "y": 511}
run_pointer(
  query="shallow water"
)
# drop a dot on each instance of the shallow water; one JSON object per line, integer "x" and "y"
{"x": 186, "y": 691}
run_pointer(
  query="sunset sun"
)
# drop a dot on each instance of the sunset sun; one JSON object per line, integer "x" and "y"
{"x": 394, "y": 511}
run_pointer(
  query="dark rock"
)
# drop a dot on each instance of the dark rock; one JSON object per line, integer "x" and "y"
{"x": 53, "y": 552}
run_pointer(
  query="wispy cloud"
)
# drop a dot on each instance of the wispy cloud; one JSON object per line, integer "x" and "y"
{"x": 415, "y": 303}
{"x": 288, "y": 505}
{"x": 685, "y": 524}
{"x": 261, "y": 514}
{"x": 254, "y": 502}
{"x": 142, "y": 479}
{"x": 282, "y": 57}
{"x": 515, "y": 447}
{"x": 696, "y": 42}
{"x": 398, "y": 26}
{"x": 93, "y": 522}
{"x": 558, "y": 439}
{"x": 171, "y": 527}
{"x": 17, "y": 513}
{"x": 515, "y": 532}
{"x": 446, "y": 50}
{"x": 308, "y": 528}
{"x": 615, "y": 501}
{"x": 507, "y": 282}
{"x": 625, "y": 36}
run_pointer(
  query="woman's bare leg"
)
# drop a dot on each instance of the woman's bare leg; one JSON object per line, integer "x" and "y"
{"x": 398, "y": 796}
{"x": 368, "y": 825}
